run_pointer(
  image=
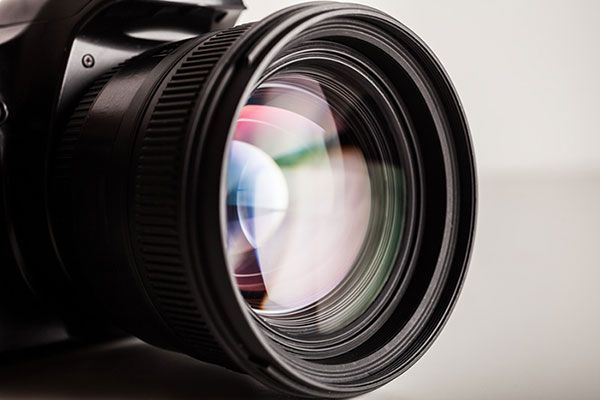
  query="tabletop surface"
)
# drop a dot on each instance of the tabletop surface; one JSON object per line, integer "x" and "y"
{"x": 526, "y": 325}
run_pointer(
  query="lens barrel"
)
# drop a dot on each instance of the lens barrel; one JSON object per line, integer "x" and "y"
{"x": 328, "y": 140}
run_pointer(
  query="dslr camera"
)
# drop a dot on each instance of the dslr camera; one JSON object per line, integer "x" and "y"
{"x": 292, "y": 198}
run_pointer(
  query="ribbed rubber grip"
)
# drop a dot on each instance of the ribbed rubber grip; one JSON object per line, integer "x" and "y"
{"x": 60, "y": 190}
{"x": 157, "y": 189}
{"x": 63, "y": 159}
{"x": 62, "y": 173}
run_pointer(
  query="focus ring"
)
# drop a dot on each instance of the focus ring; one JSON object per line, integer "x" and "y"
{"x": 157, "y": 179}
{"x": 62, "y": 167}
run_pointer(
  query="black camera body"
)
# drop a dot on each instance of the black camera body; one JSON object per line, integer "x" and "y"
{"x": 293, "y": 198}
{"x": 51, "y": 51}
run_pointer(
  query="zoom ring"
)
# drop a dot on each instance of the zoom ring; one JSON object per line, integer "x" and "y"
{"x": 156, "y": 195}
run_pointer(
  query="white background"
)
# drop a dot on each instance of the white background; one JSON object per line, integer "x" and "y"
{"x": 528, "y": 73}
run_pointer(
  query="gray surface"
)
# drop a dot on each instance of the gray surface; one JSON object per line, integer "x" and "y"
{"x": 526, "y": 326}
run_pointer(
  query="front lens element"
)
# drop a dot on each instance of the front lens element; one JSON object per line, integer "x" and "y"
{"x": 302, "y": 226}
{"x": 298, "y": 199}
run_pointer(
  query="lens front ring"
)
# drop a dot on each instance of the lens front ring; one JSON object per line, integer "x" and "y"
{"x": 442, "y": 173}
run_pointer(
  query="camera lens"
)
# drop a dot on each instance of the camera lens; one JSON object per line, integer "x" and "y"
{"x": 293, "y": 198}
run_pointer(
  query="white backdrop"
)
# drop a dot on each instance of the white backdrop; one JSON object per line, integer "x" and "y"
{"x": 528, "y": 73}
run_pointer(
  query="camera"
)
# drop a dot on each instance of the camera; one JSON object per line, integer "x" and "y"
{"x": 292, "y": 198}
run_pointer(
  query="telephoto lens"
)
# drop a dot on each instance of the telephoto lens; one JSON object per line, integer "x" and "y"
{"x": 292, "y": 198}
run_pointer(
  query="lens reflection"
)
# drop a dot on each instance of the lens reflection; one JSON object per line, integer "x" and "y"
{"x": 298, "y": 197}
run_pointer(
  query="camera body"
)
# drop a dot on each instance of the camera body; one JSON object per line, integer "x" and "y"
{"x": 293, "y": 198}
{"x": 51, "y": 51}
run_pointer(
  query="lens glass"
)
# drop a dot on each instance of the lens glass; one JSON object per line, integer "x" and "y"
{"x": 301, "y": 199}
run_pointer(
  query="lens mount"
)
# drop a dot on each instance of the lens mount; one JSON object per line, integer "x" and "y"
{"x": 140, "y": 182}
